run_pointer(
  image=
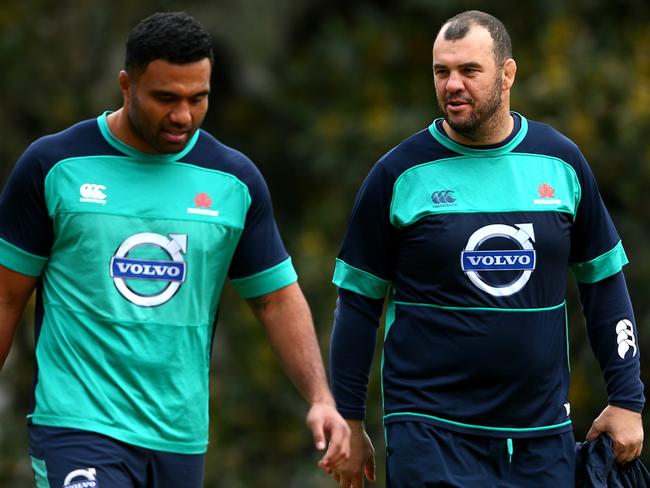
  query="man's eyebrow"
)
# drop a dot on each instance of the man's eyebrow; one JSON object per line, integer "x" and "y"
{"x": 469, "y": 64}
{"x": 172, "y": 93}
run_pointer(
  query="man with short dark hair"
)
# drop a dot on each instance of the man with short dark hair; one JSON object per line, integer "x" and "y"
{"x": 128, "y": 225}
{"x": 467, "y": 230}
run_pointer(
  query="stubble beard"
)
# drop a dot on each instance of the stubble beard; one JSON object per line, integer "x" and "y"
{"x": 138, "y": 126}
{"x": 481, "y": 122}
{"x": 146, "y": 132}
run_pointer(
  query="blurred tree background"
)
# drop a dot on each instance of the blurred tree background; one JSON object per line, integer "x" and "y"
{"x": 315, "y": 91}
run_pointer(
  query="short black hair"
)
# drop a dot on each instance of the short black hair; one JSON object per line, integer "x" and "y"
{"x": 458, "y": 26}
{"x": 176, "y": 37}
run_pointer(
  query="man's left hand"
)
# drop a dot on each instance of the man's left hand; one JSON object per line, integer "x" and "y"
{"x": 624, "y": 427}
{"x": 326, "y": 423}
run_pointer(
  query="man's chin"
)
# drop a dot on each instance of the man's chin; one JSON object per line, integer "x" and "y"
{"x": 460, "y": 124}
{"x": 175, "y": 148}
{"x": 168, "y": 147}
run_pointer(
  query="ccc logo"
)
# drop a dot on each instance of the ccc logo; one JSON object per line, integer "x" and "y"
{"x": 90, "y": 190}
{"x": 625, "y": 338}
{"x": 443, "y": 196}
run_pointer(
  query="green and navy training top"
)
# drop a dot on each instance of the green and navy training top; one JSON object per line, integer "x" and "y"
{"x": 471, "y": 247}
{"x": 132, "y": 251}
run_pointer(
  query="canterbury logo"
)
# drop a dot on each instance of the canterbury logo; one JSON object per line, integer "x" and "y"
{"x": 443, "y": 196}
{"x": 625, "y": 338}
{"x": 92, "y": 193}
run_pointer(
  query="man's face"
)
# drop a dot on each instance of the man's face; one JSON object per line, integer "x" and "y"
{"x": 469, "y": 84}
{"x": 166, "y": 104}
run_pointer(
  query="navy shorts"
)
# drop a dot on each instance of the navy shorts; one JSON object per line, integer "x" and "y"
{"x": 70, "y": 458}
{"x": 421, "y": 455}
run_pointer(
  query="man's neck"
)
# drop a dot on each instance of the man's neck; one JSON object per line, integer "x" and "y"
{"x": 120, "y": 127}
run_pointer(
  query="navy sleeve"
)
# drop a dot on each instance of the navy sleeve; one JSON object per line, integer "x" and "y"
{"x": 24, "y": 219}
{"x": 365, "y": 263}
{"x": 363, "y": 274}
{"x": 352, "y": 349}
{"x": 260, "y": 246}
{"x": 612, "y": 333}
{"x": 596, "y": 250}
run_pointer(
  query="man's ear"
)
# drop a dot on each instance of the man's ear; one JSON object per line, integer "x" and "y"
{"x": 509, "y": 72}
{"x": 125, "y": 86}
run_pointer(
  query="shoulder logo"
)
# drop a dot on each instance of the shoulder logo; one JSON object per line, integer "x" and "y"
{"x": 202, "y": 202}
{"x": 625, "y": 338}
{"x": 546, "y": 195}
{"x": 443, "y": 198}
{"x": 92, "y": 193}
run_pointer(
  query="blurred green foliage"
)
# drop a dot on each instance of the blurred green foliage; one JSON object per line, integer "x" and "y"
{"x": 314, "y": 92}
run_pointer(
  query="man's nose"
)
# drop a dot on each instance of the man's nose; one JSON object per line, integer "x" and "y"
{"x": 454, "y": 82}
{"x": 181, "y": 114}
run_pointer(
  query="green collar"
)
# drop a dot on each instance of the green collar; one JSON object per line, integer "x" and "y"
{"x": 102, "y": 121}
{"x": 468, "y": 151}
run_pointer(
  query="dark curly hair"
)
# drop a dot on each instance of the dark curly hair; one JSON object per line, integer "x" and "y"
{"x": 175, "y": 37}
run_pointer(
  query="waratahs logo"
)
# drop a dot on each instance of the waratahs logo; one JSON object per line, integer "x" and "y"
{"x": 499, "y": 259}
{"x": 148, "y": 269}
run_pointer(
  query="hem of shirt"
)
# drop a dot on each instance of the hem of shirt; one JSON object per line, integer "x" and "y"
{"x": 121, "y": 435}
{"x": 481, "y": 431}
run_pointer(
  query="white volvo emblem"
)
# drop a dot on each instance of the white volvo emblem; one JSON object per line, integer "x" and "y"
{"x": 81, "y": 478}
{"x": 474, "y": 262}
{"x": 171, "y": 272}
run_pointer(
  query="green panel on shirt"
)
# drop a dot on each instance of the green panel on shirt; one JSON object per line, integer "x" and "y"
{"x": 463, "y": 186}
{"x": 484, "y": 181}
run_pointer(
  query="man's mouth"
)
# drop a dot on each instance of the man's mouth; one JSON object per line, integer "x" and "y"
{"x": 457, "y": 104}
{"x": 175, "y": 136}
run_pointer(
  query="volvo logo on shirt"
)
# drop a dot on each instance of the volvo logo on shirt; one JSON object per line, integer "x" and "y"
{"x": 81, "y": 478}
{"x": 475, "y": 262}
{"x": 164, "y": 275}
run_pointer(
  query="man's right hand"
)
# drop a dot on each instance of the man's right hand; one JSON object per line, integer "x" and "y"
{"x": 15, "y": 290}
{"x": 350, "y": 473}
